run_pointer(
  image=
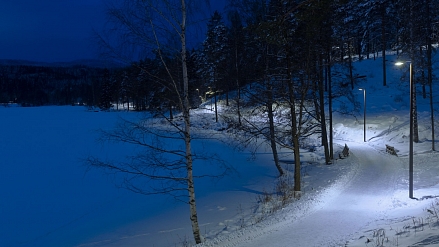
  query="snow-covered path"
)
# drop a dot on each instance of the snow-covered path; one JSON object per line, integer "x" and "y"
{"x": 357, "y": 201}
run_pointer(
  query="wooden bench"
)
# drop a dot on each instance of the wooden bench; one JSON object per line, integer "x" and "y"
{"x": 391, "y": 150}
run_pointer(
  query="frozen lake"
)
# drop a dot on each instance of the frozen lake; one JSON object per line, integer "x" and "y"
{"x": 49, "y": 198}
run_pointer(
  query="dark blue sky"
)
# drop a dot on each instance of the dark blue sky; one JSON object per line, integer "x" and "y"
{"x": 49, "y": 30}
{"x": 52, "y": 30}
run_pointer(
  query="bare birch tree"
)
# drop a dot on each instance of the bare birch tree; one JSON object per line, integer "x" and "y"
{"x": 156, "y": 27}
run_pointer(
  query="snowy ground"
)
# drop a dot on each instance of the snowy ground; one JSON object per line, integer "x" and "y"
{"x": 367, "y": 203}
{"x": 48, "y": 198}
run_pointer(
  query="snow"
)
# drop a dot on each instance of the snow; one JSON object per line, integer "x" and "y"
{"x": 51, "y": 198}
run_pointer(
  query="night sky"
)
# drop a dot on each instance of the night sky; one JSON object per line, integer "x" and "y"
{"x": 51, "y": 30}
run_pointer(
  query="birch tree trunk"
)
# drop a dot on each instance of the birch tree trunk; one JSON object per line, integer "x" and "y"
{"x": 187, "y": 131}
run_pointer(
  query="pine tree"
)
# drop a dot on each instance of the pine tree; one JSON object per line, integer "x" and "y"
{"x": 106, "y": 92}
{"x": 215, "y": 49}
{"x": 236, "y": 44}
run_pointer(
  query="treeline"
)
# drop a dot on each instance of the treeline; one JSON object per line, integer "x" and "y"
{"x": 139, "y": 86}
{"x": 147, "y": 85}
{"x": 254, "y": 40}
{"x": 30, "y": 85}
{"x": 39, "y": 85}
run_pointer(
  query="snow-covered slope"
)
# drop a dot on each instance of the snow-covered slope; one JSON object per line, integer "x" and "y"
{"x": 369, "y": 204}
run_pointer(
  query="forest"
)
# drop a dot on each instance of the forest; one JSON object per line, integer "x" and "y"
{"x": 251, "y": 41}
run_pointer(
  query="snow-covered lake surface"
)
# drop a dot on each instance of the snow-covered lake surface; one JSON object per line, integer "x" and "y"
{"x": 51, "y": 198}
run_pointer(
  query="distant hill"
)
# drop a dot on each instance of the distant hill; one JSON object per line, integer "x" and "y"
{"x": 94, "y": 63}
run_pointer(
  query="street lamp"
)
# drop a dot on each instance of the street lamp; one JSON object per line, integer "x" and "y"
{"x": 364, "y": 93}
{"x": 412, "y": 90}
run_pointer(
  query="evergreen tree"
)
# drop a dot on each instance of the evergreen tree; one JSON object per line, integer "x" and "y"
{"x": 236, "y": 65}
{"x": 376, "y": 23}
{"x": 216, "y": 50}
{"x": 106, "y": 92}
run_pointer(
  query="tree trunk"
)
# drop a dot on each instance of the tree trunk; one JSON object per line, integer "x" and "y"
{"x": 384, "y": 42}
{"x": 216, "y": 107}
{"x": 329, "y": 76}
{"x": 368, "y": 43}
{"x": 187, "y": 132}
{"x": 413, "y": 89}
{"x": 351, "y": 66}
{"x": 430, "y": 72}
{"x": 272, "y": 131}
{"x": 215, "y": 93}
{"x": 294, "y": 137}
{"x": 430, "y": 83}
{"x": 297, "y": 176}
{"x": 316, "y": 103}
{"x": 238, "y": 85}
{"x": 414, "y": 110}
{"x": 422, "y": 65}
{"x": 323, "y": 119}
{"x": 269, "y": 104}
{"x": 294, "y": 127}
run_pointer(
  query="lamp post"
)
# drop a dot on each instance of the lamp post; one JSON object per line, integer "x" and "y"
{"x": 412, "y": 90}
{"x": 364, "y": 93}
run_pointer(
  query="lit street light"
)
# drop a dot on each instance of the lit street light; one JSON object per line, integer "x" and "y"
{"x": 364, "y": 93}
{"x": 412, "y": 89}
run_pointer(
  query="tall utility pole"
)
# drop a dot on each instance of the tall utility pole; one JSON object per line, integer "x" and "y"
{"x": 412, "y": 109}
